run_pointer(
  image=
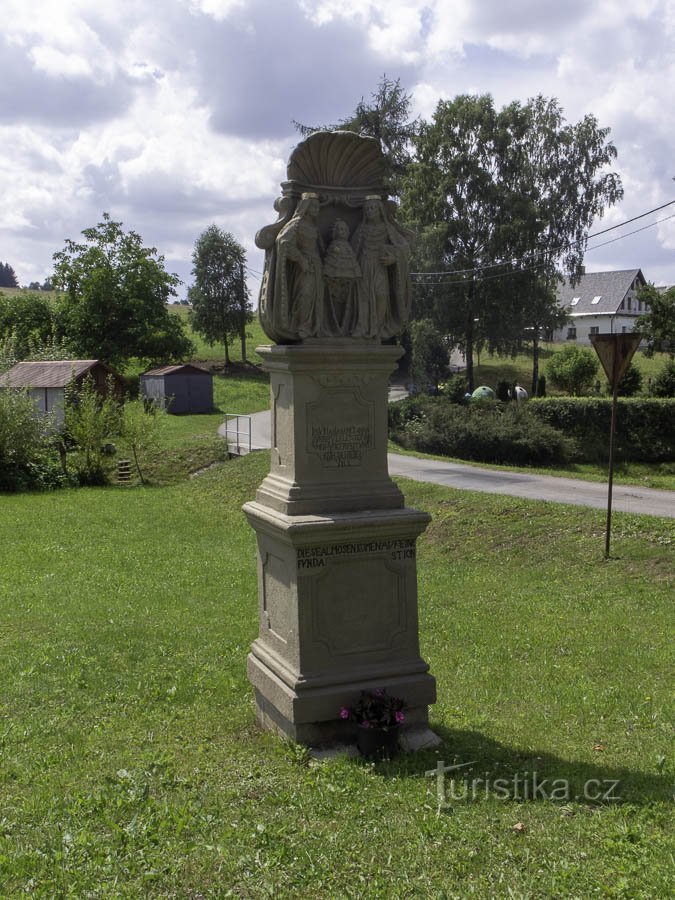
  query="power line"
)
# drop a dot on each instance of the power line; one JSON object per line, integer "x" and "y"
{"x": 560, "y": 249}
{"x": 533, "y": 268}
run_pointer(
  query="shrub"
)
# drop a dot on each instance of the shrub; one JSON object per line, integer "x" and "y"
{"x": 645, "y": 429}
{"x": 90, "y": 422}
{"x": 455, "y": 389}
{"x": 25, "y": 452}
{"x": 573, "y": 370}
{"x": 663, "y": 384}
{"x": 484, "y": 432}
{"x": 630, "y": 384}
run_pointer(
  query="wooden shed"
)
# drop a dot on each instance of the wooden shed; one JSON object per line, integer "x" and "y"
{"x": 46, "y": 381}
{"x": 180, "y": 389}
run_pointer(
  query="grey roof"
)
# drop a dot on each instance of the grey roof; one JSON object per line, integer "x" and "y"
{"x": 610, "y": 287}
{"x": 187, "y": 368}
{"x": 53, "y": 374}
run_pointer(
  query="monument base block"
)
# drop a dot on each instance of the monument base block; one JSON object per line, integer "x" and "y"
{"x": 338, "y": 615}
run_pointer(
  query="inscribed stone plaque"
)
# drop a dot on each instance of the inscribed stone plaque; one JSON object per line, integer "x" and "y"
{"x": 340, "y": 428}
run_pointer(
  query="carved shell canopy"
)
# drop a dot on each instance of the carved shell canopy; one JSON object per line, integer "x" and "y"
{"x": 337, "y": 159}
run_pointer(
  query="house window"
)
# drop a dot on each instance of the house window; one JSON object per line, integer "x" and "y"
{"x": 595, "y": 329}
{"x": 629, "y": 302}
{"x": 571, "y": 333}
{"x": 596, "y": 300}
{"x": 575, "y": 300}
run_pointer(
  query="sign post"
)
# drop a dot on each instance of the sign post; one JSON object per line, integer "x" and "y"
{"x": 615, "y": 352}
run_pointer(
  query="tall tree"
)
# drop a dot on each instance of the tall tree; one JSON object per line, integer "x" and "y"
{"x": 8, "y": 276}
{"x": 498, "y": 195}
{"x": 115, "y": 302}
{"x": 27, "y": 319}
{"x": 386, "y": 116}
{"x": 221, "y": 305}
{"x": 658, "y": 323}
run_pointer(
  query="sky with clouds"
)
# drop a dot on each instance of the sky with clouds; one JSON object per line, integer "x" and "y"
{"x": 175, "y": 115}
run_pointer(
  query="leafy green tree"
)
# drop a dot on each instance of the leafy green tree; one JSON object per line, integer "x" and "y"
{"x": 28, "y": 319}
{"x": 141, "y": 428}
{"x": 8, "y": 276}
{"x": 429, "y": 356}
{"x": 221, "y": 306}
{"x": 500, "y": 198}
{"x": 385, "y": 117}
{"x": 658, "y": 323}
{"x": 90, "y": 423}
{"x": 573, "y": 370}
{"x": 116, "y": 291}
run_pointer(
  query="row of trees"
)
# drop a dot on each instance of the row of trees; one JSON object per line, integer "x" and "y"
{"x": 8, "y": 276}
{"x": 112, "y": 301}
{"x": 502, "y": 201}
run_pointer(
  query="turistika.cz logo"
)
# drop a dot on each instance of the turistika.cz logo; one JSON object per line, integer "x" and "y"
{"x": 453, "y": 783}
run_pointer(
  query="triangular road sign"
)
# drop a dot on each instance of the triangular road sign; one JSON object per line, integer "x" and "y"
{"x": 615, "y": 352}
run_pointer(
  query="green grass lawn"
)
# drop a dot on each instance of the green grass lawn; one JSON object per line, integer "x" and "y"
{"x": 130, "y": 763}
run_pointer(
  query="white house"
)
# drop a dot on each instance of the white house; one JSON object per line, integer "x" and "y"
{"x": 601, "y": 303}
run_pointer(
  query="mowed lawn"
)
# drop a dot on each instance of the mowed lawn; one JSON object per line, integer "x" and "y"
{"x": 131, "y": 765}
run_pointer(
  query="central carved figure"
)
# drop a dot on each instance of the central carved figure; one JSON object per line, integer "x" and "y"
{"x": 319, "y": 283}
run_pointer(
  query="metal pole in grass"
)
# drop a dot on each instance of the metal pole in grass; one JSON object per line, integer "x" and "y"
{"x": 615, "y": 352}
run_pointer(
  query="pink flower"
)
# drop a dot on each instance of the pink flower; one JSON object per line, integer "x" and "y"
{"x": 344, "y": 713}
{"x": 400, "y": 718}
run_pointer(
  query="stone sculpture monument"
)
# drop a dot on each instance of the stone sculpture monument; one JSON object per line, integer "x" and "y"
{"x": 336, "y": 546}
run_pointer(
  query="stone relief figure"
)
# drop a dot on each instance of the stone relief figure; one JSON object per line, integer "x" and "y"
{"x": 341, "y": 271}
{"x": 299, "y": 284}
{"x": 383, "y": 294}
{"x": 356, "y": 287}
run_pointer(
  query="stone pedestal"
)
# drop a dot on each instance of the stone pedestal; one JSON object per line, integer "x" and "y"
{"x": 329, "y": 427}
{"x": 336, "y": 548}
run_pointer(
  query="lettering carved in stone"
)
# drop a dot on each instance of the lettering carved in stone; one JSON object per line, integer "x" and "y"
{"x": 340, "y": 427}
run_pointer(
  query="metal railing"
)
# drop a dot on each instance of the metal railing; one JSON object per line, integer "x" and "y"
{"x": 233, "y": 435}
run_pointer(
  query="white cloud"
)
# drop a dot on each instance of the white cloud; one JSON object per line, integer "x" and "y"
{"x": 217, "y": 9}
{"x": 175, "y": 116}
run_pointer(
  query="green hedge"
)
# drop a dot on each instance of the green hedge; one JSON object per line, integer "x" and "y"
{"x": 645, "y": 428}
{"x": 482, "y": 431}
{"x": 546, "y": 431}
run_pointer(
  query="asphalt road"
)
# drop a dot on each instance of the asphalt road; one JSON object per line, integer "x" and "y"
{"x": 515, "y": 484}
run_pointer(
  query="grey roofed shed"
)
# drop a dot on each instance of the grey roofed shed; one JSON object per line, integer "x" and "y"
{"x": 182, "y": 389}
{"x": 46, "y": 381}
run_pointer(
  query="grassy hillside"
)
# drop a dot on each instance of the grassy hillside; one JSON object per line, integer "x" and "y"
{"x": 215, "y": 355}
{"x": 492, "y": 369}
{"x": 131, "y": 764}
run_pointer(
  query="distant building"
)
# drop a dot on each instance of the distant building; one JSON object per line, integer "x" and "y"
{"x": 179, "y": 389}
{"x": 46, "y": 381}
{"x": 601, "y": 303}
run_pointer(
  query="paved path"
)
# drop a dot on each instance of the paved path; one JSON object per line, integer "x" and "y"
{"x": 515, "y": 484}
